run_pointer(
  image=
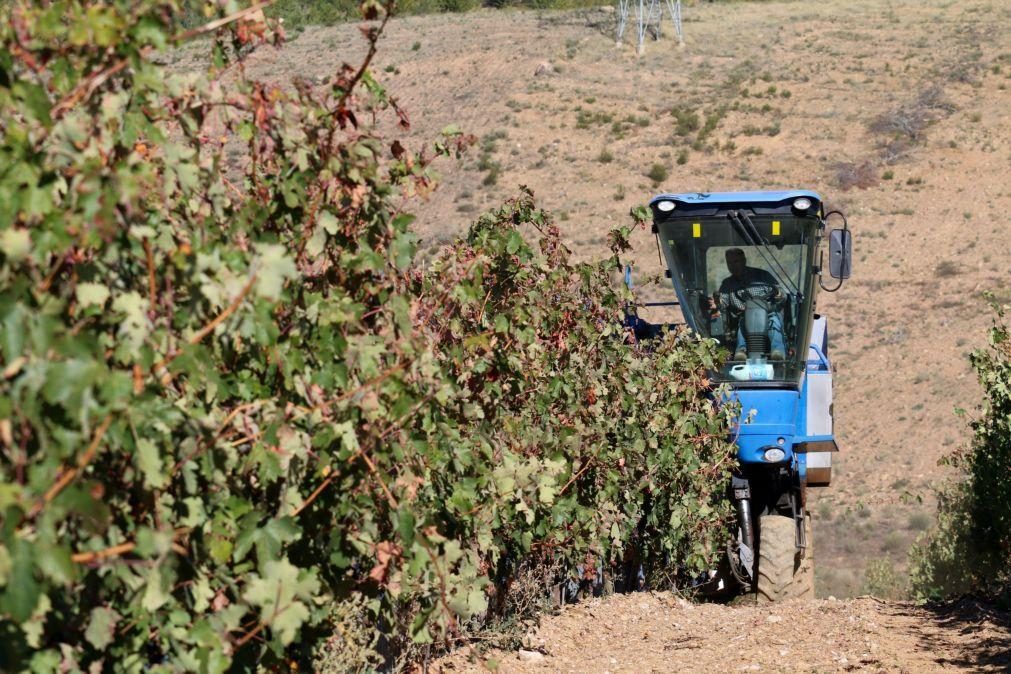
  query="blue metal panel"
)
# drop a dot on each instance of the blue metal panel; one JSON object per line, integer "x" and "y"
{"x": 778, "y": 413}
{"x": 716, "y": 198}
{"x": 774, "y": 416}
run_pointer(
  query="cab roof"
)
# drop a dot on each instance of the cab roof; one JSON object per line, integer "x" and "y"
{"x": 723, "y": 198}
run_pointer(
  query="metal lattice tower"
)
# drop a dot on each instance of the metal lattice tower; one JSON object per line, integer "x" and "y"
{"x": 649, "y": 15}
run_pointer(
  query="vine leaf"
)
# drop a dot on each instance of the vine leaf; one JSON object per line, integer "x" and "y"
{"x": 101, "y": 627}
{"x": 278, "y": 593}
{"x": 92, "y": 294}
{"x": 275, "y": 267}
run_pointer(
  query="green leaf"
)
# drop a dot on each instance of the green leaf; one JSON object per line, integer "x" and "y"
{"x": 406, "y": 524}
{"x": 273, "y": 269}
{"x": 404, "y": 247}
{"x": 279, "y": 595}
{"x": 21, "y": 595}
{"x": 101, "y": 627}
{"x": 149, "y": 464}
{"x": 154, "y": 591}
{"x": 514, "y": 242}
{"x": 329, "y": 222}
{"x": 89, "y": 294}
{"x": 317, "y": 243}
{"x": 16, "y": 244}
{"x": 55, "y": 562}
{"x": 134, "y": 326}
{"x": 5, "y": 565}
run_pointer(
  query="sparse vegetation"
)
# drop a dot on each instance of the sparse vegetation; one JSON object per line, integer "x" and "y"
{"x": 685, "y": 121}
{"x": 658, "y": 173}
{"x": 849, "y": 175}
{"x": 947, "y": 268}
{"x": 906, "y": 125}
{"x": 918, "y": 521}
{"x": 883, "y": 581}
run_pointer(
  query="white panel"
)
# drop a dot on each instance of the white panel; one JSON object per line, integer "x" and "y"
{"x": 819, "y": 330}
{"x": 819, "y": 403}
{"x": 819, "y": 460}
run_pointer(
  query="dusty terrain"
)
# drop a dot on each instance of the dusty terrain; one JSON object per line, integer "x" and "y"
{"x": 660, "y": 633}
{"x": 896, "y": 111}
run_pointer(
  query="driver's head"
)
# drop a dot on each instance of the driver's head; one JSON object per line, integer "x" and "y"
{"x": 736, "y": 262}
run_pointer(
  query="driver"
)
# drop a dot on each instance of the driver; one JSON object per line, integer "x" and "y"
{"x": 742, "y": 276}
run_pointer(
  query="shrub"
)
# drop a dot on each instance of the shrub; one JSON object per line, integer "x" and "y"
{"x": 918, "y": 522}
{"x": 967, "y": 550}
{"x": 657, "y": 173}
{"x": 947, "y": 268}
{"x": 236, "y": 416}
{"x": 686, "y": 121}
{"x": 883, "y": 581}
{"x": 849, "y": 175}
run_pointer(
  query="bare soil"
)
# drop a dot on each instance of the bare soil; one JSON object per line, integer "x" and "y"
{"x": 661, "y": 633}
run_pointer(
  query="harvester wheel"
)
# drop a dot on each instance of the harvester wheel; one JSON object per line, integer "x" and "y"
{"x": 780, "y": 570}
{"x": 803, "y": 579}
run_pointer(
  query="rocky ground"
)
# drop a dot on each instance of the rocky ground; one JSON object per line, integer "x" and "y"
{"x": 662, "y": 633}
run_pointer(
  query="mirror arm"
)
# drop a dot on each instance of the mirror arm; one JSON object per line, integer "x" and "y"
{"x": 821, "y": 282}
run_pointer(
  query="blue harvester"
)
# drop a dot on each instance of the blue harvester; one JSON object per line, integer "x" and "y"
{"x": 746, "y": 267}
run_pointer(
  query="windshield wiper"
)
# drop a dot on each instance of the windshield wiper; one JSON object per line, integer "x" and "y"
{"x": 746, "y": 228}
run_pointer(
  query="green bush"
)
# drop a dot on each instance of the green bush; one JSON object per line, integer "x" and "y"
{"x": 659, "y": 173}
{"x": 237, "y": 416}
{"x": 969, "y": 548}
{"x": 883, "y": 581}
{"x": 300, "y": 13}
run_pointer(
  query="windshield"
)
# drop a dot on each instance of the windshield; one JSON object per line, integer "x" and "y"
{"x": 746, "y": 282}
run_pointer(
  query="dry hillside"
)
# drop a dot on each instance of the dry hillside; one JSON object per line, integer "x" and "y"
{"x": 897, "y": 112}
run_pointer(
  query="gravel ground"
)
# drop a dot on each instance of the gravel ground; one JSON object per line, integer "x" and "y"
{"x": 663, "y": 633}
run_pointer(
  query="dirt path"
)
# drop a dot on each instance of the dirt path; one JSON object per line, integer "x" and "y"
{"x": 662, "y": 633}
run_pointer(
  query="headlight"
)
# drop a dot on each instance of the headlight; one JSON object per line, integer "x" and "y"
{"x": 774, "y": 455}
{"x": 802, "y": 204}
{"x": 668, "y": 206}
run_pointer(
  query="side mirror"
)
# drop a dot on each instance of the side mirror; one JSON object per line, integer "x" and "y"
{"x": 840, "y": 253}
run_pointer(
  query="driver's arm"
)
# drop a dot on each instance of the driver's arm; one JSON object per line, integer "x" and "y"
{"x": 714, "y": 301}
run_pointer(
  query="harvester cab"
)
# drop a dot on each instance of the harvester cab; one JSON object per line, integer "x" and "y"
{"x": 746, "y": 267}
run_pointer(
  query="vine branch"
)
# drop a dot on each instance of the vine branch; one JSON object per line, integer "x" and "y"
{"x": 67, "y": 476}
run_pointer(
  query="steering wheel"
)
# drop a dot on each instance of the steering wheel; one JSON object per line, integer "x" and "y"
{"x": 736, "y": 300}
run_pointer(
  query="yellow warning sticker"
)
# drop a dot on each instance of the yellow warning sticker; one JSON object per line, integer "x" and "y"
{"x": 775, "y": 227}
{"x": 697, "y": 229}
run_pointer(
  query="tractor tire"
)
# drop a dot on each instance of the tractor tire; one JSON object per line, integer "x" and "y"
{"x": 803, "y": 579}
{"x": 782, "y": 574}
